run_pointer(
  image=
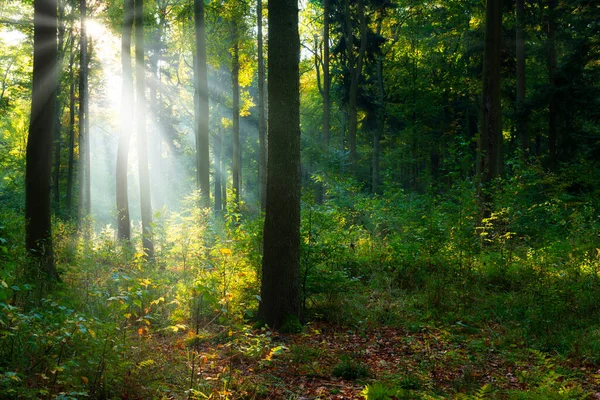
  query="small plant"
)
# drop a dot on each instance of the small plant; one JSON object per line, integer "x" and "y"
{"x": 375, "y": 391}
{"x": 350, "y": 369}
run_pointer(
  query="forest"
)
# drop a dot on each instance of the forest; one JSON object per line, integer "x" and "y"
{"x": 300, "y": 199}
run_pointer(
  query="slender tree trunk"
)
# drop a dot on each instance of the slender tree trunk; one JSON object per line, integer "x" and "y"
{"x": 71, "y": 162}
{"x": 123, "y": 218}
{"x": 236, "y": 167}
{"x": 58, "y": 111}
{"x": 326, "y": 80}
{"x": 38, "y": 173}
{"x": 280, "y": 290}
{"x": 262, "y": 126}
{"x": 84, "y": 133}
{"x": 140, "y": 111}
{"x": 378, "y": 133}
{"x": 217, "y": 149}
{"x": 202, "y": 110}
{"x": 355, "y": 69}
{"x": 491, "y": 160}
{"x": 553, "y": 108}
{"x": 521, "y": 93}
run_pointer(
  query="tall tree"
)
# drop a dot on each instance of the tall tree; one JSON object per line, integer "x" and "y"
{"x": 202, "y": 109}
{"x": 262, "y": 126}
{"x": 123, "y": 223}
{"x": 326, "y": 79}
{"x": 491, "y": 160}
{"x": 280, "y": 288}
{"x": 41, "y": 132}
{"x": 140, "y": 112}
{"x": 236, "y": 164}
{"x": 520, "y": 58}
{"x": 58, "y": 110}
{"x": 553, "y": 100}
{"x": 85, "y": 201}
{"x": 354, "y": 66}
{"x": 71, "y": 161}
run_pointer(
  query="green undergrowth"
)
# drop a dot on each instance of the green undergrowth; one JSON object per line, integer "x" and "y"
{"x": 522, "y": 281}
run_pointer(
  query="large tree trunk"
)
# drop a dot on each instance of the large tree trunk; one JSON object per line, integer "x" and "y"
{"x": 236, "y": 167}
{"x": 491, "y": 160}
{"x": 140, "y": 111}
{"x": 123, "y": 223}
{"x": 280, "y": 290}
{"x": 202, "y": 110}
{"x": 553, "y": 108}
{"x": 38, "y": 173}
{"x": 262, "y": 126}
{"x": 520, "y": 53}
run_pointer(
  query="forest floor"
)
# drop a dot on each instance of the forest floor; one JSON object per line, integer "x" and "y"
{"x": 326, "y": 361}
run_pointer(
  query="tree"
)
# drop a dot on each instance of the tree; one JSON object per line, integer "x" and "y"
{"x": 491, "y": 161}
{"x": 520, "y": 58}
{"x": 280, "y": 286}
{"x": 140, "y": 112}
{"x": 123, "y": 219}
{"x": 354, "y": 65}
{"x": 85, "y": 201}
{"x": 202, "y": 110}
{"x": 262, "y": 126}
{"x": 236, "y": 162}
{"x": 41, "y": 133}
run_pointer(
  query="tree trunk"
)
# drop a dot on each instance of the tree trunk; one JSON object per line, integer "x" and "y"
{"x": 235, "y": 87}
{"x": 123, "y": 218}
{"x": 521, "y": 88}
{"x": 140, "y": 111}
{"x": 38, "y": 172}
{"x": 355, "y": 69}
{"x": 71, "y": 163}
{"x": 202, "y": 110}
{"x": 280, "y": 290}
{"x": 490, "y": 137}
{"x": 378, "y": 133}
{"x": 217, "y": 149}
{"x": 57, "y": 129}
{"x": 84, "y": 132}
{"x": 553, "y": 108}
{"x": 262, "y": 126}
{"x": 326, "y": 80}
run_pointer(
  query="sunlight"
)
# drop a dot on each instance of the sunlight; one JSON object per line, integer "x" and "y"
{"x": 12, "y": 37}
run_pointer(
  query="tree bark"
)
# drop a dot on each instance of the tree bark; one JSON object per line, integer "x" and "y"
{"x": 38, "y": 171}
{"x": 326, "y": 80}
{"x": 84, "y": 131}
{"x": 262, "y": 126}
{"x": 71, "y": 162}
{"x": 521, "y": 79}
{"x": 355, "y": 69}
{"x": 218, "y": 173}
{"x": 553, "y": 108}
{"x": 280, "y": 289}
{"x": 123, "y": 218}
{"x": 202, "y": 110}
{"x": 140, "y": 111}
{"x": 491, "y": 160}
{"x": 378, "y": 133}
{"x": 58, "y": 128}
{"x": 235, "y": 87}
